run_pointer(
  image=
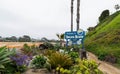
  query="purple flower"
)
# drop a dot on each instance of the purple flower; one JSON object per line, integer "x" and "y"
{"x": 21, "y": 59}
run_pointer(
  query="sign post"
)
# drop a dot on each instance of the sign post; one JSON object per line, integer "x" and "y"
{"x": 76, "y": 38}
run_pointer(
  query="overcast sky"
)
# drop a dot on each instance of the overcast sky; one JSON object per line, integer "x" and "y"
{"x": 45, "y": 18}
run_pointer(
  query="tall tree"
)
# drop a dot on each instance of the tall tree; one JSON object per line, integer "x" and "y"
{"x": 25, "y": 38}
{"x": 117, "y": 7}
{"x": 44, "y": 39}
{"x": 104, "y": 15}
{"x": 72, "y": 1}
{"x": 13, "y": 39}
{"x": 78, "y": 14}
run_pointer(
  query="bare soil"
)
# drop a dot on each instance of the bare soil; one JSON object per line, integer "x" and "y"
{"x": 39, "y": 71}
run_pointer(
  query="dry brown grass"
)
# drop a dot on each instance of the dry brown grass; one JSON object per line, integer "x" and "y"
{"x": 18, "y": 44}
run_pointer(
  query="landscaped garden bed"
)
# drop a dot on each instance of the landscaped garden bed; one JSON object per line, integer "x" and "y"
{"x": 52, "y": 60}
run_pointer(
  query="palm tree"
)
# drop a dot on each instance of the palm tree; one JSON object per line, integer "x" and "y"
{"x": 61, "y": 38}
{"x": 72, "y": 1}
{"x": 78, "y": 14}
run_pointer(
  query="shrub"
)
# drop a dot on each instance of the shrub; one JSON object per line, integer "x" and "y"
{"x": 110, "y": 58}
{"x": 38, "y": 62}
{"x": 26, "y": 49}
{"x": 49, "y": 52}
{"x": 30, "y": 50}
{"x": 74, "y": 55}
{"x": 62, "y": 70}
{"x": 20, "y": 61}
{"x": 60, "y": 60}
{"x": 102, "y": 54}
{"x": 91, "y": 28}
{"x": 103, "y": 15}
{"x": 11, "y": 68}
{"x": 85, "y": 67}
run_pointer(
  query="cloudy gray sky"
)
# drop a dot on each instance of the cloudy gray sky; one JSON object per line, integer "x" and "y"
{"x": 45, "y": 18}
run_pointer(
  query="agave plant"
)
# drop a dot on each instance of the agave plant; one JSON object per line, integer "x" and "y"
{"x": 61, "y": 38}
{"x": 4, "y": 57}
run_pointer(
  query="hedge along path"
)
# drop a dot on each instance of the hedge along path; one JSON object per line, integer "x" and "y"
{"x": 104, "y": 66}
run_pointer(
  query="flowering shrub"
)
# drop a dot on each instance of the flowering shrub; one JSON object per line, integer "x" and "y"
{"x": 21, "y": 61}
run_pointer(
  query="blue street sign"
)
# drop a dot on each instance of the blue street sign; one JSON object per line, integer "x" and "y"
{"x": 75, "y": 37}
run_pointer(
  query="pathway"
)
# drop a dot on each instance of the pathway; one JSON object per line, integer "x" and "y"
{"x": 104, "y": 66}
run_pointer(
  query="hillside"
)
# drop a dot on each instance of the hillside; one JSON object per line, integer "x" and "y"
{"x": 104, "y": 40}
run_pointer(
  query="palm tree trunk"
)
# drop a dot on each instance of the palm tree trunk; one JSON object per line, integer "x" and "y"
{"x": 78, "y": 14}
{"x": 72, "y": 1}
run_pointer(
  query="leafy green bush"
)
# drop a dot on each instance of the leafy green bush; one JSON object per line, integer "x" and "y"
{"x": 63, "y": 71}
{"x": 74, "y": 55}
{"x": 85, "y": 67}
{"x": 102, "y": 54}
{"x": 81, "y": 67}
{"x": 10, "y": 68}
{"x": 38, "y": 62}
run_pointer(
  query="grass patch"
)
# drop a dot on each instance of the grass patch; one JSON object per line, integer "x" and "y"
{"x": 104, "y": 40}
